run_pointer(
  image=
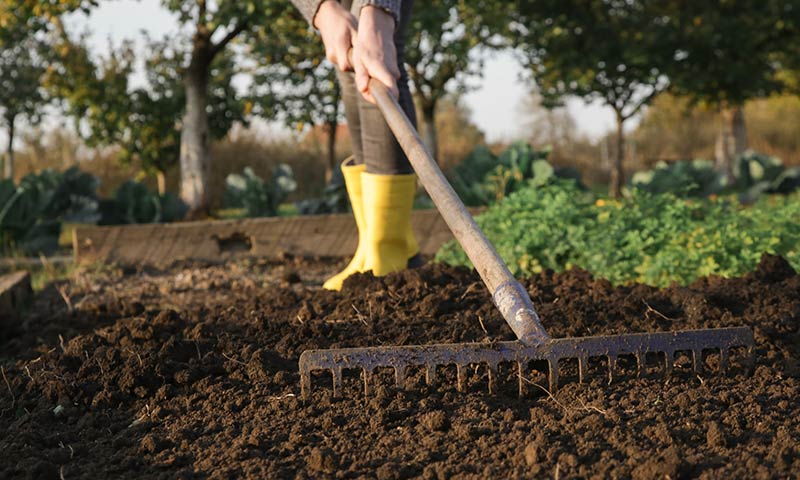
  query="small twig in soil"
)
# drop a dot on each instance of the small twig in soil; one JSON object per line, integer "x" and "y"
{"x": 141, "y": 363}
{"x": 651, "y": 309}
{"x": 233, "y": 359}
{"x": 62, "y": 290}
{"x": 469, "y": 290}
{"x": 13, "y": 397}
{"x": 547, "y": 392}
{"x": 483, "y": 327}
{"x": 61, "y": 343}
{"x": 360, "y": 316}
{"x": 71, "y": 450}
{"x": 281, "y": 397}
{"x": 566, "y": 409}
{"x": 592, "y": 407}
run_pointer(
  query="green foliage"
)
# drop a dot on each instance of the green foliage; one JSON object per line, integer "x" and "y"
{"x": 728, "y": 51}
{"x": 756, "y": 174}
{"x": 441, "y": 40}
{"x": 134, "y": 202}
{"x": 21, "y": 71}
{"x": 31, "y": 213}
{"x": 144, "y": 122}
{"x": 292, "y": 82}
{"x": 695, "y": 178}
{"x": 483, "y": 178}
{"x": 655, "y": 239}
{"x": 257, "y": 197}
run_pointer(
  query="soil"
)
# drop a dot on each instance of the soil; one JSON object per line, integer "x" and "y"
{"x": 191, "y": 372}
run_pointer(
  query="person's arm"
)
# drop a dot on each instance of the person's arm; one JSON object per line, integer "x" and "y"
{"x": 374, "y": 52}
{"x": 392, "y": 7}
{"x": 308, "y": 8}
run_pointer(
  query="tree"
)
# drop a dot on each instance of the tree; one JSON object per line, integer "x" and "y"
{"x": 294, "y": 83}
{"x": 22, "y": 68}
{"x": 728, "y": 56}
{"x": 610, "y": 50}
{"x": 440, "y": 51}
{"x": 22, "y": 18}
{"x": 214, "y": 26}
{"x": 144, "y": 122}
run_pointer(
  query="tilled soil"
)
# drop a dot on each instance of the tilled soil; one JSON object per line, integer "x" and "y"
{"x": 192, "y": 373}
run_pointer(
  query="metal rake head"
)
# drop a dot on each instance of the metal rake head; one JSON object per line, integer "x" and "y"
{"x": 431, "y": 357}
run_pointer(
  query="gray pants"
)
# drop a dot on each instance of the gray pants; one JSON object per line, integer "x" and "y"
{"x": 372, "y": 141}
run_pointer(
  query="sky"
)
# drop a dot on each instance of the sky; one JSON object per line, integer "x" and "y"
{"x": 495, "y": 104}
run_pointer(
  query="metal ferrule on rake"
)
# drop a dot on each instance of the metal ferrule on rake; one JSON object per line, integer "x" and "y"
{"x": 517, "y": 309}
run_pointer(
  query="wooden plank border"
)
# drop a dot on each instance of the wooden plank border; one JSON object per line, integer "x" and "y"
{"x": 312, "y": 235}
{"x": 15, "y": 289}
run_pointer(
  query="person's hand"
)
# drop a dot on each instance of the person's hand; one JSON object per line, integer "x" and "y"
{"x": 374, "y": 53}
{"x": 338, "y": 28}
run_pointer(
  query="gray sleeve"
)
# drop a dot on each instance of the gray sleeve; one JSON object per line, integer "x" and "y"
{"x": 308, "y": 8}
{"x": 390, "y": 6}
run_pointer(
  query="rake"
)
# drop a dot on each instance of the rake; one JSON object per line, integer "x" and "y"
{"x": 533, "y": 343}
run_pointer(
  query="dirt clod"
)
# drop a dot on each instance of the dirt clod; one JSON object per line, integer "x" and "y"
{"x": 323, "y": 460}
{"x": 191, "y": 372}
{"x": 435, "y": 421}
{"x": 532, "y": 453}
{"x": 715, "y": 435}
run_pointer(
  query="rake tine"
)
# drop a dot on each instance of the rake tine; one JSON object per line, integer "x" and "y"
{"x": 583, "y": 369}
{"x": 723, "y": 360}
{"x": 697, "y": 361}
{"x": 430, "y": 374}
{"x": 751, "y": 360}
{"x": 305, "y": 384}
{"x": 669, "y": 357}
{"x": 492, "y": 367}
{"x": 366, "y": 373}
{"x": 337, "y": 381}
{"x": 552, "y": 365}
{"x": 521, "y": 379}
{"x": 612, "y": 366}
{"x": 460, "y": 377}
{"x": 640, "y": 364}
{"x": 399, "y": 376}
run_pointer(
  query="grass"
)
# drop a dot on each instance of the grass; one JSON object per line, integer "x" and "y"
{"x": 42, "y": 270}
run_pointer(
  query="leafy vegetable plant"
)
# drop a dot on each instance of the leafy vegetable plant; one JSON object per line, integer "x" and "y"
{"x": 649, "y": 238}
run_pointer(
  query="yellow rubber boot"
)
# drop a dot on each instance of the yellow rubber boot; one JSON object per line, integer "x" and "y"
{"x": 352, "y": 180}
{"x": 388, "y": 200}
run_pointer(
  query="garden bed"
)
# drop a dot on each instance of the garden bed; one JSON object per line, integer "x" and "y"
{"x": 191, "y": 372}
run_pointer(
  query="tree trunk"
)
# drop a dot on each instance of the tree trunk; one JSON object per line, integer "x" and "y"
{"x": 331, "y": 153}
{"x": 731, "y": 140}
{"x": 428, "y": 128}
{"x": 617, "y": 172}
{"x": 8, "y": 168}
{"x": 161, "y": 178}
{"x": 195, "y": 159}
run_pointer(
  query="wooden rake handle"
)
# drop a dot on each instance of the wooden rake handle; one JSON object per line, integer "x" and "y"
{"x": 509, "y": 296}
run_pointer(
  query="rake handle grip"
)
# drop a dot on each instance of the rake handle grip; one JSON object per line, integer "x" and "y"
{"x": 510, "y": 297}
